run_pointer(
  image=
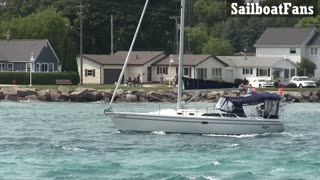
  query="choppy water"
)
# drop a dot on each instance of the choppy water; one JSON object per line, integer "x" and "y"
{"x": 76, "y": 141}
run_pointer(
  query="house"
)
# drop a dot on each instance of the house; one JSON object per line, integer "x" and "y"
{"x": 289, "y": 42}
{"x": 204, "y": 67}
{"x": 249, "y": 67}
{"x": 15, "y": 55}
{"x": 106, "y": 69}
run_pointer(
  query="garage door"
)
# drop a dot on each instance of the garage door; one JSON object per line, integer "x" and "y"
{"x": 111, "y": 76}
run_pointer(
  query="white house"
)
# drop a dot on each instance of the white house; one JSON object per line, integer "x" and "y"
{"x": 293, "y": 43}
{"x": 204, "y": 67}
{"x": 106, "y": 69}
{"x": 250, "y": 67}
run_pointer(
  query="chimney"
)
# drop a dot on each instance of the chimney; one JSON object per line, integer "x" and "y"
{"x": 8, "y": 37}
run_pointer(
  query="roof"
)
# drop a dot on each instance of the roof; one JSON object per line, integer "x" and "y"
{"x": 315, "y": 41}
{"x": 140, "y": 57}
{"x": 105, "y": 59}
{"x": 287, "y": 36}
{"x": 19, "y": 50}
{"x": 251, "y": 61}
{"x": 188, "y": 60}
{"x": 136, "y": 57}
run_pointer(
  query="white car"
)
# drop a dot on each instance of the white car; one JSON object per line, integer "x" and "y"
{"x": 302, "y": 81}
{"x": 261, "y": 83}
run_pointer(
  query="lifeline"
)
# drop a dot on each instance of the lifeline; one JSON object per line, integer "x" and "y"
{"x": 282, "y": 9}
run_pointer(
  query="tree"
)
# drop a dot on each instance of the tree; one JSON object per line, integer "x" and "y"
{"x": 306, "y": 68}
{"x": 218, "y": 47}
{"x": 47, "y": 24}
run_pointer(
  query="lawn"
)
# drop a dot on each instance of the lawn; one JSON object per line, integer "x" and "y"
{"x": 153, "y": 87}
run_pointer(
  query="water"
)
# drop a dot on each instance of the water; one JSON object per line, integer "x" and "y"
{"x": 76, "y": 141}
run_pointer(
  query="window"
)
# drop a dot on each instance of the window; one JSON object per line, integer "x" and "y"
{"x": 314, "y": 51}
{"x": 216, "y": 73}
{"x": 10, "y": 67}
{"x": 44, "y": 67}
{"x": 202, "y": 73}
{"x": 28, "y": 67}
{"x": 162, "y": 70}
{"x": 90, "y": 72}
{"x": 286, "y": 73}
{"x": 263, "y": 72}
{"x": 292, "y": 50}
{"x": 38, "y": 67}
{"x": 2, "y": 67}
{"x": 186, "y": 71}
{"x": 247, "y": 71}
{"x": 51, "y": 67}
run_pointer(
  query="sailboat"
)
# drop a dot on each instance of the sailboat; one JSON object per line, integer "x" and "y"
{"x": 227, "y": 118}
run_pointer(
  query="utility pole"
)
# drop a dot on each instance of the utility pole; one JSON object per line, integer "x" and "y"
{"x": 111, "y": 33}
{"x": 81, "y": 44}
{"x": 176, "y": 18}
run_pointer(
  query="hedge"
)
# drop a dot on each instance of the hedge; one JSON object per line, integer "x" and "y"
{"x": 38, "y": 78}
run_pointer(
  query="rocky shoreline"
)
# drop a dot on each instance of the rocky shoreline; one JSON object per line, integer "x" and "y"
{"x": 65, "y": 94}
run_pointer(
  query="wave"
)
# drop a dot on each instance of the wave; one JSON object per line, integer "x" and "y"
{"x": 158, "y": 132}
{"x": 233, "y": 136}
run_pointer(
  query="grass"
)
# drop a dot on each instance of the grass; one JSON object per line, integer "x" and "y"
{"x": 154, "y": 87}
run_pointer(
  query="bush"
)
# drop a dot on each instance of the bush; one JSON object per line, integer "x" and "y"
{"x": 38, "y": 78}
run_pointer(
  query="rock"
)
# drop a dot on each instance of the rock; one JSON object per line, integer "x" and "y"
{"x": 11, "y": 97}
{"x": 293, "y": 96}
{"x": 44, "y": 95}
{"x": 314, "y": 98}
{"x": 54, "y": 95}
{"x": 317, "y": 93}
{"x": 131, "y": 98}
{"x": 9, "y": 91}
{"x": 23, "y": 92}
{"x": 306, "y": 94}
{"x": 185, "y": 97}
{"x": 63, "y": 89}
{"x": 65, "y": 96}
{"x": 119, "y": 92}
{"x": 155, "y": 96}
{"x": 80, "y": 95}
{"x": 32, "y": 97}
{"x": 142, "y": 93}
{"x": 142, "y": 99}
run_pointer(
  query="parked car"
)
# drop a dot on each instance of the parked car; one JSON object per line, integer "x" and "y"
{"x": 316, "y": 80}
{"x": 302, "y": 81}
{"x": 261, "y": 83}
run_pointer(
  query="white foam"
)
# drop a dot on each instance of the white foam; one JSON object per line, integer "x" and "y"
{"x": 292, "y": 135}
{"x": 278, "y": 170}
{"x": 158, "y": 132}
{"x": 233, "y": 136}
{"x": 234, "y": 145}
{"x": 215, "y": 163}
{"x": 70, "y": 148}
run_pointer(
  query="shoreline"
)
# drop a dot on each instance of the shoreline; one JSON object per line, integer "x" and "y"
{"x": 65, "y": 94}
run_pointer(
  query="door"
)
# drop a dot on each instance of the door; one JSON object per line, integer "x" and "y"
{"x": 111, "y": 76}
{"x": 149, "y": 74}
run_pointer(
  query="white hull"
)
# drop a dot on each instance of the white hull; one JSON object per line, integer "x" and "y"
{"x": 143, "y": 122}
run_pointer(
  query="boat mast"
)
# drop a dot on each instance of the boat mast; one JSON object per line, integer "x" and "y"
{"x": 128, "y": 55}
{"x": 181, "y": 53}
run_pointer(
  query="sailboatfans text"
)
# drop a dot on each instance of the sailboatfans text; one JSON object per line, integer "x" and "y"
{"x": 283, "y": 9}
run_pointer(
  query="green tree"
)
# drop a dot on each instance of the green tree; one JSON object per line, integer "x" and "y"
{"x": 306, "y": 68}
{"x": 47, "y": 24}
{"x": 218, "y": 47}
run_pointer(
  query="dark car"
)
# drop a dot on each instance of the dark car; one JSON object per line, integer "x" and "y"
{"x": 285, "y": 84}
{"x": 316, "y": 80}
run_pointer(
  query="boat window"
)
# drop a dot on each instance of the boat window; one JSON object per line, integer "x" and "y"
{"x": 191, "y": 114}
{"x": 271, "y": 109}
{"x": 220, "y": 102}
{"x": 179, "y": 113}
{"x": 212, "y": 114}
{"x": 228, "y": 115}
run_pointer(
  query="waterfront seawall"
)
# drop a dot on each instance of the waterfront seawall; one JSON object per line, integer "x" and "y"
{"x": 65, "y": 94}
